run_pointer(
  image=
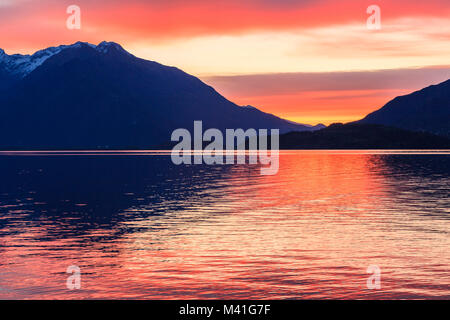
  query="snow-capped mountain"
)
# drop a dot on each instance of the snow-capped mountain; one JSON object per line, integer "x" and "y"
{"x": 100, "y": 96}
{"x": 21, "y": 65}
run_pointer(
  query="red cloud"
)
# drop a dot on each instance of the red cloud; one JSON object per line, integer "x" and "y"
{"x": 327, "y": 96}
{"x": 38, "y": 24}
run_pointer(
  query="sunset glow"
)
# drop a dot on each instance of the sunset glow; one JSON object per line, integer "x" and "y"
{"x": 302, "y": 60}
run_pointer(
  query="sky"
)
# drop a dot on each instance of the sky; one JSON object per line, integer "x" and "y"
{"x": 310, "y": 61}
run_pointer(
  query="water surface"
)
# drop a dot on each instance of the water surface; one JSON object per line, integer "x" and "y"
{"x": 140, "y": 227}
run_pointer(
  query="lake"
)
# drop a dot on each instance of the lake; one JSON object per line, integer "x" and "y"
{"x": 140, "y": 227}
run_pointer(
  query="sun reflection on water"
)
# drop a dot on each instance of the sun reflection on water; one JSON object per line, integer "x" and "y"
{"x": 139, "y": 227}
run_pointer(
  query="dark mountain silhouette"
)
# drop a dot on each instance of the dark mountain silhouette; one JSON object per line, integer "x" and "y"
{"x": 426, "y": 110}
{"x": 362, "y": 136}
{"x": 84, "y": 96}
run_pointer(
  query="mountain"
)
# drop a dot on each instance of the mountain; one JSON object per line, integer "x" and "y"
{"x": 425, "y": 110}
{"x": 362, "y": 136}
{"x": 83, "y": 96}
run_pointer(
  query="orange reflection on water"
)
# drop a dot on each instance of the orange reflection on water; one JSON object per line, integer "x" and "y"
{"x": 310, "y": 231}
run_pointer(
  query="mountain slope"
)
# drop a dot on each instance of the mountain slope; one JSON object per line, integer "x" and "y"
{"x": 424, "y": 110}
{"x": 86, "y": 96}
{"x": 17, "y": 66}
{"x": 362, "y": 136}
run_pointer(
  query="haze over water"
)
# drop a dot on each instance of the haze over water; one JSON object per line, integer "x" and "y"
{"x": 140, "y": 227}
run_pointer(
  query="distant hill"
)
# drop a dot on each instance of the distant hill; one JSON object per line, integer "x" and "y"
{"x": 84, "y": 96}
{"x": 362, "y": 136}
{"x": 425, "y": 110}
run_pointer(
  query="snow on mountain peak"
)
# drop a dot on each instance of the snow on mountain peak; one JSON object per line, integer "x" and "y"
{"x": 105, "y": 46}
{"x": 21, "y": 65}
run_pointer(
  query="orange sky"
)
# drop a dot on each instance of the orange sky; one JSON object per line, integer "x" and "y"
{"x": 307, "y": 60}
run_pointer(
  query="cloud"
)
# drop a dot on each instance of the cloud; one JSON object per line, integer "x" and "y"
{"x": 289, "y": 83}
{"x": 325, "y": 97}
{"x": 168, "y": 20}
{"x": 6, "y": 3}
{"x": 290, "y": 54}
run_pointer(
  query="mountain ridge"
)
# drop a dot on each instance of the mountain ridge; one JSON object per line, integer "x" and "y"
{"x": 426, "y": 110}
{"x": 86, "y": 96}
{"x": 24, "y": 64}
{"x": 356, "y": 136}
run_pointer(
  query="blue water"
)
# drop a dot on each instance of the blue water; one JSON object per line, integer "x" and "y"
{"x": 140, "y": 227}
